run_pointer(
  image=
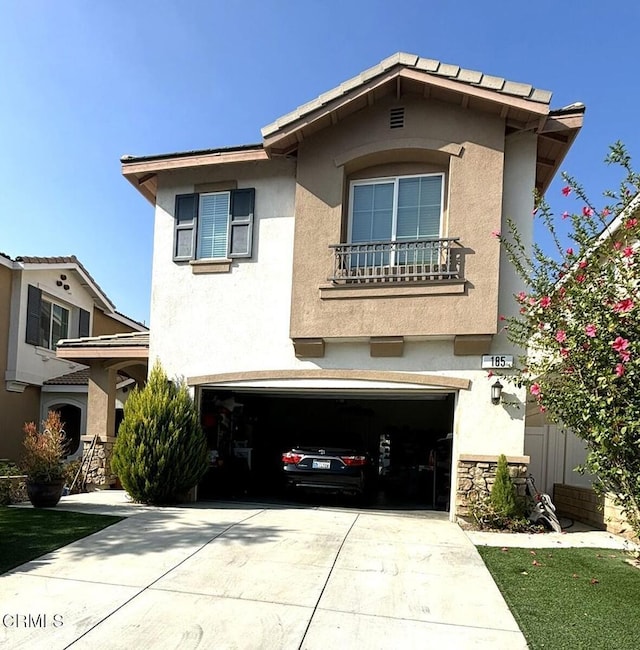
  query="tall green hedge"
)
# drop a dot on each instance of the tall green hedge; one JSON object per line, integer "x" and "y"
{"x": 160, "y": 452}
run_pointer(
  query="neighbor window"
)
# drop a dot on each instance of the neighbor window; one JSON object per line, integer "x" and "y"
{"x": 214, "y": 225}
{"x": 49, "y": 321}
{"x": 405, "y": 208}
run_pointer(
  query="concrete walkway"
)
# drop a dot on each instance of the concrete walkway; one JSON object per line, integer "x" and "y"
{"x": 233, "y": 575}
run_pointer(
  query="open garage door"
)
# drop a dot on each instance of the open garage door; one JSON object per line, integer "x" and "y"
{"x": 407, "y": 437}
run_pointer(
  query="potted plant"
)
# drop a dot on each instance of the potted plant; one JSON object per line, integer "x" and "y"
{"x": 42, "y": 461}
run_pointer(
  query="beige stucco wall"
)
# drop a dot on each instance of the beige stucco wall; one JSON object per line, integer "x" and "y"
{"x": 15, "y": 408}
{"x": 103, "y": 324}
{"x": 474, "y": 183}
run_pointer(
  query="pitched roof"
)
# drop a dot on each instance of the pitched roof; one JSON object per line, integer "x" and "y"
{"x": 65, "y": 259}
{"x": 472, "y": 78}
{"x": 124, "y": 340}
{"x": 77, "y": 378}
{"x": 520, "y": 105}
{"x": 133, "y": 346}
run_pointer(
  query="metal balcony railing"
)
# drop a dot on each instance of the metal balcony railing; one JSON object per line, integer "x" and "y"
{"x": 420, "y": 260}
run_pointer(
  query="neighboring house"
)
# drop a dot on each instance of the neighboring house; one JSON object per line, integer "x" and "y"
{"x": 556, "y": 452}
{"x": 341, "y": 276}
{"x": 44, "y": 300}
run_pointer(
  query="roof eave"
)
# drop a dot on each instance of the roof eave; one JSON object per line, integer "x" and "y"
{"x": 562, "y": 125}
{"x": 142, "y": 171}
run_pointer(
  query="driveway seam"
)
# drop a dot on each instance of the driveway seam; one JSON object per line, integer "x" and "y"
{"x": 153, "y": 582}
{"x": 324, "y": 586}
{"x": 419, "y": 620}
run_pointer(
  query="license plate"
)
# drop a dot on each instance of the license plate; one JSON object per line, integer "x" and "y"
{"x": 321, "y": 464}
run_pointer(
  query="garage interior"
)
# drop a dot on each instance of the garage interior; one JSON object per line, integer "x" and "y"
{"x": 407, "y": 436}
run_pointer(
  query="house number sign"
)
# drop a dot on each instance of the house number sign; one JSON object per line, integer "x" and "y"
{"x": 497, "y": 361}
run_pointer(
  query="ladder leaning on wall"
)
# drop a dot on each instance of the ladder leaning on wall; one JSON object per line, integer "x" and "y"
{"x": 86, "y": 459}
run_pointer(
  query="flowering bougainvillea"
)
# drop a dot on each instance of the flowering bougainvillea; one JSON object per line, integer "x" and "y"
{"x": 580, "y": 324}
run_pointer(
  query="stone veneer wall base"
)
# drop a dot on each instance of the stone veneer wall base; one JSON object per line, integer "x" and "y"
{"x": 477, "y": 474}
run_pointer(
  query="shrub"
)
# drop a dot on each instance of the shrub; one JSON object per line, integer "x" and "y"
{"x": 503, "y": 493}
{"x": 12, "y": 488}
{"x": 161, "y": 451}
{"x": 44, "y": 450}
{"x": 486, "y": 517}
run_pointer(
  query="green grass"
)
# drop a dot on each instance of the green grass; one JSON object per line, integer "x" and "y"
{"x": 29, "y": 533}
{"x": 573, "y": 598}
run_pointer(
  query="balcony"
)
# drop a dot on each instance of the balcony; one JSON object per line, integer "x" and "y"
{"x": 416, "y": 261}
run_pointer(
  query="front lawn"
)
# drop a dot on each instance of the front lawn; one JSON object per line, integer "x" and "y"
{"x": 29, "y": 533}
{"x": 569, "y": 597}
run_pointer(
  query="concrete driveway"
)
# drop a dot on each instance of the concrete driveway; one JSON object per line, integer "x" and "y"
{"x": 230, "y": 575}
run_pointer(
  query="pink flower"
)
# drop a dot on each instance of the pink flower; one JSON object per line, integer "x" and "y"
{"x": 522, "y": 296}
{"x": 625, "y": 355}
{"x": 535, "y": 389}
{"x": 542, "y": 408}
{"x": 523, "y": 310}
{"x": 532, "y": 301}
{"x": 561, "y": 336}
{"x": 580, "y": 278}
{"x": 590, "y": 330}
{"x": 490, "y": 374}
{"x": 606, "y": 212}
{"x": 565, "y": 215}
{"x": 545, "y": 302}
{"x": 587, "y": 211}
{"x": 495, "y": 233}
{"x": 617, "y": 245}
{"x": 623, "y": 306}
{"x": 583, "y": 264}
{"x": 569, "y": 251}
{"x": 620, "y": 344}
{"x": 619, "y": 369}
{"x": 630, "y": 223}
{"x": 627, "y": 252}
{"x": 566, "y": 190}
{"x": 564, "y": 352}
{"x": 501, "y": 318}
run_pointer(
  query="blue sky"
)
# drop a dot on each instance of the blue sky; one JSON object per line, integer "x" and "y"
{"x": 82, "y": 83}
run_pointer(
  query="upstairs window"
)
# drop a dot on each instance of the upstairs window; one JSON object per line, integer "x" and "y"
{"x": 405, "y": 208}
{"x": 49, "y": 321}
{"x": 214, "y": 225}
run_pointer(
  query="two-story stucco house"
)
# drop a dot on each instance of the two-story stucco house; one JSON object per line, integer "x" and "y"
{"x": 44, "y": 300}
{"x": 341, "y": 276}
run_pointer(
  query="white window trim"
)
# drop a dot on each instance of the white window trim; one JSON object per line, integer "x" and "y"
{"x": 396, "y": 181}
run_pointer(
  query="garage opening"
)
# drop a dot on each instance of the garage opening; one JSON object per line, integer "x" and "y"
{"x": 407, "y": 439}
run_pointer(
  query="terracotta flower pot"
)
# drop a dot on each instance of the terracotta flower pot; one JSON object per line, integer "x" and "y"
{"x": 44, "y": 495}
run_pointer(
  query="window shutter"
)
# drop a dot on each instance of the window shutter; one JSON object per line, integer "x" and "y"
{"x": 241, "y": 235}
{"x": 186, "y": 219}
{"x": 83, "y": 327}
{"x": 34, "y": 300}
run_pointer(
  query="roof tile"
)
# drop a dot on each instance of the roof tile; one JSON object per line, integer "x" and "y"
{"x": 469, "y": 76}
{"x": 428, "y": 65}
{"x": 448, "y": 70}
{"x": 515, "y": 88}
{"x": 494, "y": 83}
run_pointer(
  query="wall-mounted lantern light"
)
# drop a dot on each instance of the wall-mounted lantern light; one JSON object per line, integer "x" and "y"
{"x": 496, "y": 392}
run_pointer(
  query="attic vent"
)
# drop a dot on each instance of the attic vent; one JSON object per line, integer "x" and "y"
{"x": 396, "y": 118}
